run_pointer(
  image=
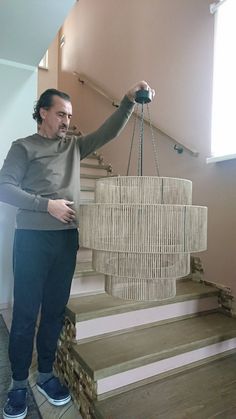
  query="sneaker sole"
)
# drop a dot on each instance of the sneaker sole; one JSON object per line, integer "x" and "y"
{"x": 21, "y": 416}
{"x": 53, "y": 401}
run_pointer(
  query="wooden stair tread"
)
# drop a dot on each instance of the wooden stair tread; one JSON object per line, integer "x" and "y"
{"x": 86, "y": 201}
{"x": 90, "y": 176}
{"x": 204, "y": 392}
{"x": 84, "y": 188}
{"x": 93, "y": 166}
{"x": 87, "y": 307}
{"x": 132, "y": 349}
{"x": 85, "y": 269}
{"x": 94, "y": 155}
{"x": 84, "y": 266}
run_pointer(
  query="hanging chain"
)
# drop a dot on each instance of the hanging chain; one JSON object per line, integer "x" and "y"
{"x": 141, "y": 141}
{"x": 140, "y": 150}
{"x": 154, "y": 142}
{"x": 132, "y": 143}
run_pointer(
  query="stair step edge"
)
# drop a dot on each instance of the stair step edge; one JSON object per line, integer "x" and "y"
{"x": 138, "y": 327}
{"x": 151, "y": 358}
{"x": 162, "y": 376}
{"x": 115, "y": 353}
{"x": 85, "y": 188}
{"x": 78, "y": 274}
{"x": 130, "y": 306}
{"x": 96, "y": 166}
{"x": 88, "y": 176}
{"x": 95, "y": 155}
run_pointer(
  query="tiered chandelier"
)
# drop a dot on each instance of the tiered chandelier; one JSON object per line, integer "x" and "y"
{"x": 142, "y": 229}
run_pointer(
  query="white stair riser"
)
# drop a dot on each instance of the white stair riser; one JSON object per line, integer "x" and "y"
{"x": 93, "y": 171}
{"x": 94, "y": 162}
{"x": 108, "y": 324}
{"x": 87, "y": 182}
{"x": 82, "y": 273}
{"x": 83, "y": 285}
{"x": 86, "y": 196}
{"x": 135, "y": 375}
{"x": 84, "y": 255}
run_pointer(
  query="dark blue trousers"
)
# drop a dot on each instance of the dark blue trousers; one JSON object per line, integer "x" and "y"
{"x": 44, "y": 264}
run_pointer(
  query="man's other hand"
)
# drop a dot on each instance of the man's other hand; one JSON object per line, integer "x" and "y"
{"x": 60, "y": 209}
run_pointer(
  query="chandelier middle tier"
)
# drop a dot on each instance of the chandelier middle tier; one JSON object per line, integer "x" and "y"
{"x": 142, "y": 231}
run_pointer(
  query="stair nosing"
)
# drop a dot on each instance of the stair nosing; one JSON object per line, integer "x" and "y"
{"x": 174, "y": 372}
{"x": 85, "y": 188}
{"x": 94, "y": 156}
{"x": 151, "y": 358}
{"x": 144, "y": 326}
{"x": 86, "y": 273}
{"x": 99, "y": 166}
{"x": 134, "y": 305}
{"x": 88, "y": 176}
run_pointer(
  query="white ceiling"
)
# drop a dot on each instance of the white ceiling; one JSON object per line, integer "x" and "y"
{"x": 27, "y": 28}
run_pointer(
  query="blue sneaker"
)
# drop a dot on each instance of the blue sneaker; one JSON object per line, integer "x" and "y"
{"x": 54, "y": 391}
{"x": 16, "y": 405}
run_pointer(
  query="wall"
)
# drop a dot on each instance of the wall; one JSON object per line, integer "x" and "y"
{"x": 170, "y": 44}
{"x": 18, "y": 85}
{"x": 48, "y": 78}
{"x": 21, "y": 50}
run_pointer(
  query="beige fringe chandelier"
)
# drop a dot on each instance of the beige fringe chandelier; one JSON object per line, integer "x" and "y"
{"x": 142, "y": 230}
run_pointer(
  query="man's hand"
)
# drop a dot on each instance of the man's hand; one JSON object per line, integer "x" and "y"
{"x": 60, "y": 209}
{"x": 139, "y": 86}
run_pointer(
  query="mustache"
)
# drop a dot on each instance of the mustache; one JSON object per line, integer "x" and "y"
{"x": 63, "y": 126}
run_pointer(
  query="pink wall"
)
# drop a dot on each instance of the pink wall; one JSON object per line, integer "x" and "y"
{"x": 169, "y": 44}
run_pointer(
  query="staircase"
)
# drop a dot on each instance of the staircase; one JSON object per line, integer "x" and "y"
{"x": 126, "y": 359}
{"x": 85, "y": 280}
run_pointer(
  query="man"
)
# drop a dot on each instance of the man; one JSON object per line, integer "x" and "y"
{"x": 40, "y": 176}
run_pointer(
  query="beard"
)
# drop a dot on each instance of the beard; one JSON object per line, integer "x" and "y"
{"x": 62, "y": 131}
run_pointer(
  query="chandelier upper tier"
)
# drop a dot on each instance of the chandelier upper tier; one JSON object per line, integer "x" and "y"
{"x": 142, "y": 230}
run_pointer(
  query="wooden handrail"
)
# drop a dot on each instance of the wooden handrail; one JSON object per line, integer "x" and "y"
{"x": 178, "y": 146}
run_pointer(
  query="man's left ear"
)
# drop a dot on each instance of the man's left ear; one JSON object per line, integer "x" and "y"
{"x": 42, "y": 112}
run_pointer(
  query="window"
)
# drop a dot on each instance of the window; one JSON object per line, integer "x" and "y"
{"x": 223, "y": 130}
{"x": 44, "y": 62}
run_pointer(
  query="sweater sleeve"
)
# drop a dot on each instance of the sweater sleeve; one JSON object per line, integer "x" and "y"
{"x": 11, "y": 176}
{"x": 108, "y": 130}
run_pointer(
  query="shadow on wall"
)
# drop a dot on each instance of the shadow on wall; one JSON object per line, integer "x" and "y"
{"x": 7, "y": 227}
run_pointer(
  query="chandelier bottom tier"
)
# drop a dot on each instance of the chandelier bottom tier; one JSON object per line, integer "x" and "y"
{"x": 142, "y": 231}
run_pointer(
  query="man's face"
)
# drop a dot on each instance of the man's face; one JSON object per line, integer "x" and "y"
{"x": 56, "y": 119}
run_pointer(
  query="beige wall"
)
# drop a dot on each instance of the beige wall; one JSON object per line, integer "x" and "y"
{"x": 170, "y": 44}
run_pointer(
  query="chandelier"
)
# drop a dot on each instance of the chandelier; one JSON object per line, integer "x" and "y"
{"x": 142, "y": 229}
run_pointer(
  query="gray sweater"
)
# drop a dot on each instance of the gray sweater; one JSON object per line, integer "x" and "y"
{"x": 37, "y": 169}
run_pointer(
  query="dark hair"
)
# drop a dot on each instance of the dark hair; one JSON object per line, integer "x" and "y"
{"x": 46, "y": 101}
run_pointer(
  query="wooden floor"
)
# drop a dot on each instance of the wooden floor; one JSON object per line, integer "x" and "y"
{"x": 205, "y": 392}
{"x": 47, "y": 411}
